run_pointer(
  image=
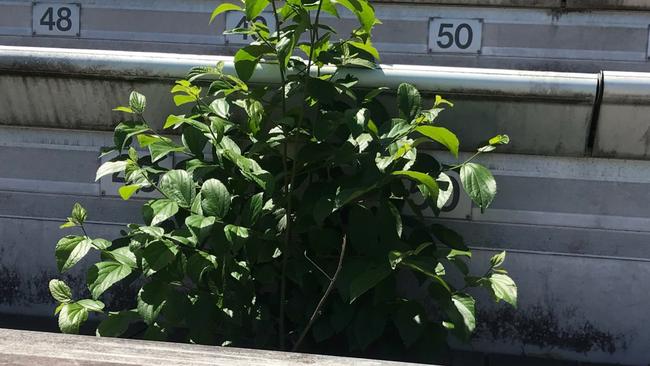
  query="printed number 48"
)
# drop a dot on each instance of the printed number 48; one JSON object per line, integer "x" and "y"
{"x": 63, "y": 22}
{"x": 243, "y": 23}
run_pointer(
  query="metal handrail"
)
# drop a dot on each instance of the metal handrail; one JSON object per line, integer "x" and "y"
{"x": 579, "y": 87}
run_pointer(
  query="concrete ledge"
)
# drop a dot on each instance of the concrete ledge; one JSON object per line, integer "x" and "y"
{"x": 107, "y": 65}
{"x": 26, "y": 348}
{"x": 549, "y": 4}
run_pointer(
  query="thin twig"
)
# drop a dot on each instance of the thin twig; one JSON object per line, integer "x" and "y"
{"x": 317, "y": 267}
{"x": 317, "y": 311}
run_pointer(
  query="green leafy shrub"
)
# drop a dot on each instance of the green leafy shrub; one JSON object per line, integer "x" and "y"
{"x": 285, "y": 224}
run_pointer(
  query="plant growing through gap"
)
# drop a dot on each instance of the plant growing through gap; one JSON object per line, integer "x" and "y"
{"x": 291, "y": 217}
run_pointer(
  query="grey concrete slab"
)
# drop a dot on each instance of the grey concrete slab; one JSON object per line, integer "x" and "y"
{"x": 571, "y": 308}
{"x": 23, "y": 348}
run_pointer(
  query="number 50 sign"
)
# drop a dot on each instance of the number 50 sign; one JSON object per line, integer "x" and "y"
{"x": 455, "y": 35}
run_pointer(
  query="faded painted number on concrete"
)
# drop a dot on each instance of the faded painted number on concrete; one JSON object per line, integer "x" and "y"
{"x": 236, "y": 20}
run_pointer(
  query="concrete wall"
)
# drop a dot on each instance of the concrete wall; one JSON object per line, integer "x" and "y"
{"x": 552, "y": 35}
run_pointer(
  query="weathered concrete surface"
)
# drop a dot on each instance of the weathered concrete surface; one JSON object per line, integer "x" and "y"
{"x": 25, "y": 348}
{"x": 608, "y": 4}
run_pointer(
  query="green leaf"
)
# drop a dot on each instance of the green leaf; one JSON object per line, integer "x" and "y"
{"x": 194, "y": 140}
{"x": 101, "y": 244}
{"x": 92, "y": 305}
{"x": 368, "y": 326}
{"x": 199, "y": 265}
{"x": 424, "y": 265}
{"x": 449, "y": 237}
{"x": 145, "y": 140}
{"x": 220, "y": 107}
{"x": 181, "y": 99}
{"x": 486, "y": 149}
{"x": 159, "y": 254}
{"x": 160, "y": 150}
{"x": 177, "y": 120}
{"x": 178, "y": 185}
{"x": 123, "y": 255}
{"x": 504, "y": 288}
{"x": 137, "y": 102}
{"x": 367, "y": 280}
{"x": 464, "y": 304}
{"x": 60, "y": 291}
{"x": 367, "y": 47}
{"x": 499, "y": 140}
{"x": 153, "y": 231}
{"x": 444, "y": 194}
{"x": 442, "y": 135}
{"x": 162, "y": 210}
{"x": 252, "y": 209}
{"x": 110, "y": 167}
{"x": 254, "y": 8}
{"x": 429, "y": 183}
{"x": 123, "y": 109}
{"x": 233, "y": 232}
{"x": 200, "y": 226}
{"x": 396, "y": 215}
{"x": 127, "y": 191}
{"x": 247, "y": 58}
{"x": 126, "y": 130}
{"x": 255, "y": 112}
{"x": 116, "y": 323}
{"x": 363, "y": 10}
{"x": 79, "y": 214}
{"x": 103, "y": 275}
{"x": 151, "y": 300}
{"x": 215, "y": 198}
{"x": 408, "y": 101}
{"x": 498, "y": 259}
{"x": 479, "y": 184}
{"x": 224, "y": 8}
{"x": 67, "y": 224}
{"x": 70, "y": 318}
{"x": 410, "y": 321}
{"x": 70, "y": 250}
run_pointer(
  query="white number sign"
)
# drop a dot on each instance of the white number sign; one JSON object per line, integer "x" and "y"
{"x": 52, "y": 19}
{"x": 455, "y": 35}
{"x": 237, "y": 20}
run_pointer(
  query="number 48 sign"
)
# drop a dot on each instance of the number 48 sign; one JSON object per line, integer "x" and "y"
{"x": 52, "y": 19}
{"x": 455, "y": 35}
{"x": 236, "y": 20}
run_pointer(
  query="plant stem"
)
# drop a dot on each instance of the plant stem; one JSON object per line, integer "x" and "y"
{"x": 466, "y": 161}
{"x": 330, "y": 287}
{"x": 285, "y": 168}
{"x": 84, "y": 230}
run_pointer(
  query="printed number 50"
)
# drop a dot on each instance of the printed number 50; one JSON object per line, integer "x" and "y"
{"x": 462, "y": 37}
